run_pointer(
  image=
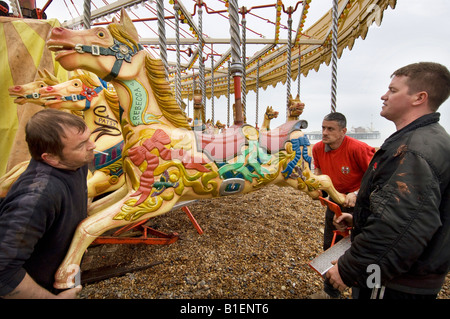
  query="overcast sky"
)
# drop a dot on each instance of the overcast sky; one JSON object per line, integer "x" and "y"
{"x": 414, "y": 31}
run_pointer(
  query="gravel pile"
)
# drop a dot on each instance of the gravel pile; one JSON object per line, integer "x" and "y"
{"x": 256, "y": 246}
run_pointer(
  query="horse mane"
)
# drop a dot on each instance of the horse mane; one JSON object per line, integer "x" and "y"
{"x": 157, "y": 78}
{"x": 47, "y": 77}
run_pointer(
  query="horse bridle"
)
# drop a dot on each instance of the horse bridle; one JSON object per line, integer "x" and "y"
{"x": 87, "y": 94}
{"x": 120, "y": 50}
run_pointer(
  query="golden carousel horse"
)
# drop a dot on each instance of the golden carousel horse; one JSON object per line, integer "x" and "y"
{"x": 295, "y": 108}
{"x": 164, "y": 161}
{"x": 269, "y": 115}
{"x": 86, "y": 96}
{"x": 26, "y": 93}
{"x": 100, "y": 108}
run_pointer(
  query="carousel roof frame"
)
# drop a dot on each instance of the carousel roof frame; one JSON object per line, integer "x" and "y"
{"x": 315, "y": 42}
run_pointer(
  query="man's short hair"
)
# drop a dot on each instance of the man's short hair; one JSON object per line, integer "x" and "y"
{"x": 431, "y": 77}
{"x": 337, "y": 117}
{"x": 45, "y": 129}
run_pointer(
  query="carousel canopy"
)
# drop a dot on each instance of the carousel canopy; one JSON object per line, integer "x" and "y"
{"x": 193, "y": 37}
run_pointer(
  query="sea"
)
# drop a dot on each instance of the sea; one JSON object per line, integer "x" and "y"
{"x": 376, "y": 142}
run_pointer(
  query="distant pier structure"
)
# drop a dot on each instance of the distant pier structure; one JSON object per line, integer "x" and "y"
{"x": 360, "y": 133}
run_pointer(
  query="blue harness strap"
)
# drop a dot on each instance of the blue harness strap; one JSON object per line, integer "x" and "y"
{"x": 80, "y": 97}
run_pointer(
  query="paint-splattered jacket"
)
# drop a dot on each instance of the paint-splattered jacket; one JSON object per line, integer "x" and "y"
{"x": 402, "y": 214}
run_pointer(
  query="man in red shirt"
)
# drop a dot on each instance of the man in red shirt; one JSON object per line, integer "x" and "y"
{"x": 345, "y": 160}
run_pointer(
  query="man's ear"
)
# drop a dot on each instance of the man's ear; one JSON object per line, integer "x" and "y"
{"x": 50, "y": 159}
{"x": 420, "y": 98}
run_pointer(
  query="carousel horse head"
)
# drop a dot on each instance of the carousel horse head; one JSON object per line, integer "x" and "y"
{"x": 75, "y": 94}
{"x": 114, "y": 54}
{"x": 104, "y": 51}
{"x": 270, "y": 113}
{"x": 219, "y": 125}
{"x": 295, "y": 106}
{"x": 28, "y": 93}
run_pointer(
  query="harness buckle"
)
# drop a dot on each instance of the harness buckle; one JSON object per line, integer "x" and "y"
{"x": 79, "y": 48}
{"x": 95, "y": 49}
{"x": 35, "y": 95}
{"x": 74, "y": 97}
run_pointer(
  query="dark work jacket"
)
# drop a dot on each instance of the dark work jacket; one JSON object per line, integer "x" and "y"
{"x": 402, "y": 213}
{"x": 38, "y": 218}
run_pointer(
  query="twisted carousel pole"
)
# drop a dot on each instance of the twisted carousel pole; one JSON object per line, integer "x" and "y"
{"x": 162, "y": 36}
{"x": 87, "y": 14}
{"x": 236, "y": 64}
{"x": 289, "y": 57}
{"x": 228, "y": 93}
{"x": 334, "y": 41}
{"x": 212, "y": 85}
{"x": 244, "y": 62}
{"x": 201, "y": 62}
{"x": 178, "y": 74}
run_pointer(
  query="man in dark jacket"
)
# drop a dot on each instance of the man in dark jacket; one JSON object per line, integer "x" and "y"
{"x": 41, "y": 211}
{"x": 401, "y": 235}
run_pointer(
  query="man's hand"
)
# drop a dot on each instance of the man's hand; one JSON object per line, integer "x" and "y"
{"x": 350, "y": 200}
{"x": 334, "y": 277}
{"x": 29, "y": 289}
{"x": 343, "y": 222}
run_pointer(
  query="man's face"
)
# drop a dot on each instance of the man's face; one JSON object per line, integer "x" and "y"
{"x": 396, "y": 101}
{"x": 78, "y": 149}
{"x": 332, "y": 134}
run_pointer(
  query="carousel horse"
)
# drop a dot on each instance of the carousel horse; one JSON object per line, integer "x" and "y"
{"x": 84, "y": 95}
{"x": 199, "y": 113}
{"x": 164, "y": 161}
{"x": 295, "y": 108}
{"x": 183, "y": 107}
{"x": 26, "y": 93}
{"x": 219, "y": 127}
{"x": 268, "y": 116}
{"x": 100, "y": 106}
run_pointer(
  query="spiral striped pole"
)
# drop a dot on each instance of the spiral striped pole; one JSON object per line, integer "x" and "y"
{"x": 228, "y": 93}
{"x": 289, "y": 57}
{"x": 212, "y": 86}
{"x": 200, "y": 55}
{"x": 178, "y": 74}
{"x": 236, "y": 65}
{"x": 162, "y": 35}
{"x": 244, "y": 62}
{"x": 87, "y": 14}
{"x": 334, "y": 41}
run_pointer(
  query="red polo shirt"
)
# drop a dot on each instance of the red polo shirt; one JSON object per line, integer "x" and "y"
{"x": 345, "y": 165}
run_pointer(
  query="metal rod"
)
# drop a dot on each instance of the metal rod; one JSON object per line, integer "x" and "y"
{"x": 334, "y": 40}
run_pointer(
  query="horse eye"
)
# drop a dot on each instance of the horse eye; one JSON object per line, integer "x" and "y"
{"x": 101, "y": 34}
{"x": 76, "y": 84}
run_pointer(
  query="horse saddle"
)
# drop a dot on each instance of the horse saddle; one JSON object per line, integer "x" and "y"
{"x": 227, "y": 145}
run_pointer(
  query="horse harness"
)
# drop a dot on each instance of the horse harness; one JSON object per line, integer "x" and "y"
{"x": 120, "y": 50}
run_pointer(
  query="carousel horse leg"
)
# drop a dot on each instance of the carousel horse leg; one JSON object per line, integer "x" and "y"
{"x": 88, "y": 230}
